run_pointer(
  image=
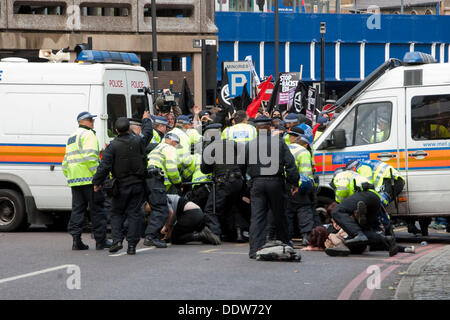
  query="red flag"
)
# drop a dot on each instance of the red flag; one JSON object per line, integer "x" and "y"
{"x": 252, "y": 109}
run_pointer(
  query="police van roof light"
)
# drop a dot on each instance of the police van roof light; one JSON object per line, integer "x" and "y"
{"x": 108, "y": 57}
{"x": 417, "y": 58}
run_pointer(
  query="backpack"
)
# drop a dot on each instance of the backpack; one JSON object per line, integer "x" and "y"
{"x": 277, "y": 251}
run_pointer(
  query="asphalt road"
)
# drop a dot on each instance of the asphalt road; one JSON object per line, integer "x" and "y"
{"x": 34, "y": 266}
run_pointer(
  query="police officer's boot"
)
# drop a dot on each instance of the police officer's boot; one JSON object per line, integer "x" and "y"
{"x": 391, "y": 245}
{"x": 78, "y": 244}
{"x": 116, "y": 246}
{"x": 131, "y": 249}
{"x": 360, "y": 238}
{"x": 206, "y": 236}
{"x": 362, "y": 213}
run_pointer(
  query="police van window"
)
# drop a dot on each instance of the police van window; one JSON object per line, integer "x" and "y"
{"x": 138, "y": 105}
{"x": 367, "y": 123}
{"x": 373, "y": 123}
{"x": 430, "y": 117}
{"x": 116, "y": 107}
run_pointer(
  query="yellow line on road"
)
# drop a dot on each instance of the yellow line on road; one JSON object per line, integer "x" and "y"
{"x": 209, "y": 251}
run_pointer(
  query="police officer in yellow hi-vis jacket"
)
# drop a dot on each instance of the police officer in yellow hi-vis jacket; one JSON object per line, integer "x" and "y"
{"x": 162, "y": 174}
{"x": 241, "y": 131}
{"x": 79, "y": 166}
{"x": 302, "y": 202}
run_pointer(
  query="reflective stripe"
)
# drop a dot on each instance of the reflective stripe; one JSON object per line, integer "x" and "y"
{"x": 341, "y": 188}
{"x": 88, "y": 179}
{"x": 78, "y": 152}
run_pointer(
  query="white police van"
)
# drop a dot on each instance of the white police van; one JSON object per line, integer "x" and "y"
{"x": 39, "y": 105}
{"x": 400, "y": 114}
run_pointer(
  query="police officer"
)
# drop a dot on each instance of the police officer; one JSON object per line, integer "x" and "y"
{"x": 160, "y": 125}
{"x": 221, "y": 158}
{"x": 241, "y": 131}
{"x": 200, "y": 190}
{"x": 162, "y": 174}
{"x": 186, "y": 164}
{"x": 126, "y": 159}
{"x": 267, "y": 160}
{"x": 79, "y": 166}
{"x": 355, "y": 194}
{"x": 302, "y": 202}
{"x": 387, "y": 181}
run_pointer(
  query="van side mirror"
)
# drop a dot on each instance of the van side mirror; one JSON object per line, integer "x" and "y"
{"x": 336, "y": 141}
{"x": 338, "y": 138}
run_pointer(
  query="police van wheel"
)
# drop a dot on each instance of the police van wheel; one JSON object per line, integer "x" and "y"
{"x": 12, "y": 211}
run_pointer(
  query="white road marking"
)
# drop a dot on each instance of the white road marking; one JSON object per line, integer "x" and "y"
{"x": 32, "y": 274}
{"x": 124, "y": 253}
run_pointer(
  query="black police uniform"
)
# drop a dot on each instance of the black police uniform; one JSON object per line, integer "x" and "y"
{"x": 125, "y": 157}
{"x": 268, "y": 189}
{"x": 228, "y": 178}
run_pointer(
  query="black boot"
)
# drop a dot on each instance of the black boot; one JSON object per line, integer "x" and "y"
{"x": 362, "y": 213}
{"x": 207, "y": 236}
{"x": 131, "y": 249}
{"x": 360, "y": 238}
{"x": 116, "y": 246}
{"x": 78, "y": 244}
{"x": 391, "y": 245}
{"x": 103, "y": 245}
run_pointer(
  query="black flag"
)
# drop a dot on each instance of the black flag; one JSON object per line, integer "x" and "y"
{"x": 273, "y": 102}
{"x": 186, "y": 102}
{"x": 300, "y": 101}
{"x": 243, "y": 101}
{"x": 224, "y": 96}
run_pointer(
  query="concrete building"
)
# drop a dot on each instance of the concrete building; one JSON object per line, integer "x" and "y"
{"x": 114, "y": 25}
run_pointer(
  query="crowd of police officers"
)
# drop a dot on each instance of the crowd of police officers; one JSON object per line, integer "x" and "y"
{"x": 245, "y": 180}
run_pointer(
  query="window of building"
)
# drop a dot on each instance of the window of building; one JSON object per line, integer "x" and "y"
{"x": 116, "y": 107}
{"x": 39, "y": 8}
{"x": 105, "y": 10}
{"x": 430, "y": 117}
{"x": 414, "y": 12}
{"x": 367, "y": 123}
{"x": 428, "y": 11}
{"x": 170, "y": 11}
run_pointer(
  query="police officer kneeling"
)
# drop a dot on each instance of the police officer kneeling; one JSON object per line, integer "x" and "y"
{"x": 125, "y": 157}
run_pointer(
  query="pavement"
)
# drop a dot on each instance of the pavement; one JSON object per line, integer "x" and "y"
{"x": 427, "y": 278}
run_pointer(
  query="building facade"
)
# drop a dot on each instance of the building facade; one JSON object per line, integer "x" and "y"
{"x": 114, "y": 25}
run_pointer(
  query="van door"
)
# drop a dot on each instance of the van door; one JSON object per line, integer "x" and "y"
{"x": 371, "y": 132}
{"x": 137, "y": 80}
{"x": 428, "y": 149}
{"x": 115, "y": 100}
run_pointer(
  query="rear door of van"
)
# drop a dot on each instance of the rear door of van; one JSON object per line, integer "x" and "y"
{"x": 116, "y": 97}
{"x": 427, "y": 139}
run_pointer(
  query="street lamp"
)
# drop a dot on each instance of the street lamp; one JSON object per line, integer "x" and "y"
{"x": 322, "y": 63}
{"x": 276, "y": 41}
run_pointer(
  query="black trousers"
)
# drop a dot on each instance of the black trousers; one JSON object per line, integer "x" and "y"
{"x": 393, "y": 190}
{"x": 157, "y": 199}
{"x": 342, "y": 213}
{"x": 228, "y": 193}
{"x": 302, "y": 206}
{"x": 82, "y": 198}
{"x": 199, "y": 195}
{"x": 127, "y": 205}
{"x": 188, "y": 222}
{"x": 267, "y": 196}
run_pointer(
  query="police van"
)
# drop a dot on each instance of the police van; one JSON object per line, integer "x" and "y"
{"x": 39, "y": 103}
{"x": 399, "y": 114}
